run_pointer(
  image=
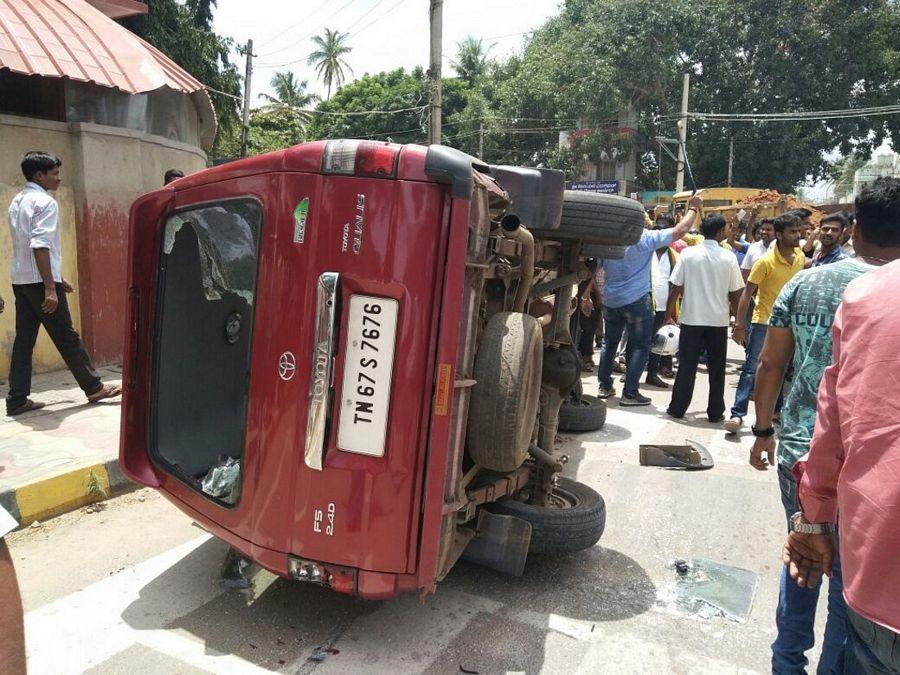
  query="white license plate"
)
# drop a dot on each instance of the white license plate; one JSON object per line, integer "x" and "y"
{"x": 368, "y": 366}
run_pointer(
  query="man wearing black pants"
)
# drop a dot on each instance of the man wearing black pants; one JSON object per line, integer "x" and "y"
{"x": 661, "y": 270}
{"x": 39, "y": 288}
{"x": 709, "y": 279}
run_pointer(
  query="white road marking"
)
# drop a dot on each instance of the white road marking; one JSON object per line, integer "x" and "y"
{"x": 89, "y": 626}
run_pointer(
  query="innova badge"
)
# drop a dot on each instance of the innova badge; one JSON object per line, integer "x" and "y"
{"x": 300, "y": 214}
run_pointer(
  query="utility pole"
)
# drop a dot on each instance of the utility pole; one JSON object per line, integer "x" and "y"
{"x": 682, "y": 134}
{"x": 434, "y": 71}
{"x": 480, "y": 140}
{"x": 659, "y": 167}
{"x": 245, "y": 130}
{"x": 730, "y": 159}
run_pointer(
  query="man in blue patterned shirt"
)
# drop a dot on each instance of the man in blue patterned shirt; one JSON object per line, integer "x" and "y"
{"x": 800, "y": 325}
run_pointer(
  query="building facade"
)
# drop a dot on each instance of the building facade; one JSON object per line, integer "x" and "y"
{"x": 118, "y": 113}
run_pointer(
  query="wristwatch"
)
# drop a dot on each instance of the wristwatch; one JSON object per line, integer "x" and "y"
{"x": 800, "y": 526}
{"x": 762, "y": 433}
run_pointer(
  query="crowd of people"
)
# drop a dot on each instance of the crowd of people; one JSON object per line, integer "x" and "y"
{"x": 811, "y": 305}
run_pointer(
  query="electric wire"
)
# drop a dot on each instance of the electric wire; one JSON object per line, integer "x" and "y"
{"x": 290, "y": 28}
{"x": 301, "y": 39}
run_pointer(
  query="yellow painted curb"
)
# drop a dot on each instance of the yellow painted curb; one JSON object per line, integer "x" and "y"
{"x": 60, "y": 494}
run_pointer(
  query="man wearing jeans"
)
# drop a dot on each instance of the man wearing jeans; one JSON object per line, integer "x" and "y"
{"x": 39, "y": 288}
{"x": 769, "y": 275}
{"x": 627, "y": 304}
{"x": 800, "y": 326}
{"x": 852, "y": 466}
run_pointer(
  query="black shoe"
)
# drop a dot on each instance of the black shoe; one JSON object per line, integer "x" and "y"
{"x": 674, "y": 416}
{"x": 717, "y": 420}
{"x": 27, "y": 406}
{"x": 656, "y": 381}
{"x": 636, "y": 400}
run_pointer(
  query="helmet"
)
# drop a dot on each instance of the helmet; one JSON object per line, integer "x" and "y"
{"x": 665, "y": 342}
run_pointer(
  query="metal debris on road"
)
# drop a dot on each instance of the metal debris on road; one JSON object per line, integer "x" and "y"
{"x": 691, "y": 457}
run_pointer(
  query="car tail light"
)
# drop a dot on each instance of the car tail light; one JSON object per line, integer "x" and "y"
{"x": 339, "y": 578}
{"x": 360, "y": 158}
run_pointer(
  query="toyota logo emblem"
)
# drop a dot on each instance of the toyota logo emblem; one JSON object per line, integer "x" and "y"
{"x": 287, "y": 366}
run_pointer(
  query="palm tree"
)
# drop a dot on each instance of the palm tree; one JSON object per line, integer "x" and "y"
{"x": 471, "y": 59}
{"x": 290, "y": 93}
{"x": 327, "y": 58}
{"x": 843, "y": 172}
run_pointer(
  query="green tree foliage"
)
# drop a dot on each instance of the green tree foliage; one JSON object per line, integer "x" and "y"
{"x": 326, "y": 59}
{"x": 202, "y": 11}
{"x": 396, "y": 90}
{"x": 290, "y": 92}
{"x": 471, "y": 59}
{"x": 843, "y": 173}
{"x": 183, "y": 33}
{"x": 596, "y": 59}
{"x": 272, "y": 127}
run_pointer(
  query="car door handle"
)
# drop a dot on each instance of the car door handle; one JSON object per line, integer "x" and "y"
{"x": 321, "y": 374}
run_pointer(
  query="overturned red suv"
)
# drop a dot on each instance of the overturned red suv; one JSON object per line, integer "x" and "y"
{"x": 347, "y": 359}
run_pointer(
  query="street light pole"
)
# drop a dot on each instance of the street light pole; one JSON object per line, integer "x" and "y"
{"x": 434, "y": 72}
{"x": 245, "y": 125}
{"x": 682, "y": 134}
{"x": 730, "y": 160}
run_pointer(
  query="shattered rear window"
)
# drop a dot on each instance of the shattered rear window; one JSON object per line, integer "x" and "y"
{"x": 227, "y": 247}
{"x": 207, "y": 291}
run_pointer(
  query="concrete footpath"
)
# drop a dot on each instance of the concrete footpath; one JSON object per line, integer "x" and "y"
{"x": 63, "y": 456}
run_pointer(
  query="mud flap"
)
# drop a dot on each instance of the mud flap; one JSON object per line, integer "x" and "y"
{"x": 232, "y": 575}
{"x": 692, "y": 456}
{"x": 501, "y": 543}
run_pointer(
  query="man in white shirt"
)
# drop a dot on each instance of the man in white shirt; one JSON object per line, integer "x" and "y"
{"x": 709, "y": 279}
{"x": 765, "y": 235}
{"x": 39, "y": 288}
{"x": 661, "y": 267}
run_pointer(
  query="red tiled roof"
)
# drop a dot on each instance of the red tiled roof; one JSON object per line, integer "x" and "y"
{"x": 118, "y": 9}
{"x": 70, "y": 38}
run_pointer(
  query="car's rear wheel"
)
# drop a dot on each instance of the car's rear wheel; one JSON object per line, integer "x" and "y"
{"x": 505, "y": 398}
{"x": 585, "y": 413}
{"x": 596, "y": 218}
{"x": 574, "y": 521}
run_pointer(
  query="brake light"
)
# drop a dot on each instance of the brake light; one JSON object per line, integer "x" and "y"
{"x": 360, "y": 158}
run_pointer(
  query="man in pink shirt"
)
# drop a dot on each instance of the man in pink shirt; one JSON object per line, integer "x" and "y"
{"x": 853, "y": 467}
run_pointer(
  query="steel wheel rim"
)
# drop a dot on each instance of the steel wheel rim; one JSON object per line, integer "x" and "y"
{"x": 562, "y": 499}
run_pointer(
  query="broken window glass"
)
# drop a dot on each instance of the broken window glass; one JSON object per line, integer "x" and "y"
{"x": 207, "y": 278}
{"x": 706, "y": 588}
{"x": 227, "y": 247}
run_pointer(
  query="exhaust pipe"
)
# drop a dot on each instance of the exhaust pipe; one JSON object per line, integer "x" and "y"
{"x": 512, "y": 228}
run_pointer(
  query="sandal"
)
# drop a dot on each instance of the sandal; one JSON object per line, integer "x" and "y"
{"x": 25, "y": 407}
{"x": 106, "y": 391}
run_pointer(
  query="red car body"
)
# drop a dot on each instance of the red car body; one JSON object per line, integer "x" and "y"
{"x": 367, "y": 525}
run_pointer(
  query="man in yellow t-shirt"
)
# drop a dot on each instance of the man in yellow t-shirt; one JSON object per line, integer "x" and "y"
{"x": 769, "y": 275}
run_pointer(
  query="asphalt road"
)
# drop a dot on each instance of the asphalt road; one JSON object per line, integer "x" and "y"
{"x": 132, "y": 588}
